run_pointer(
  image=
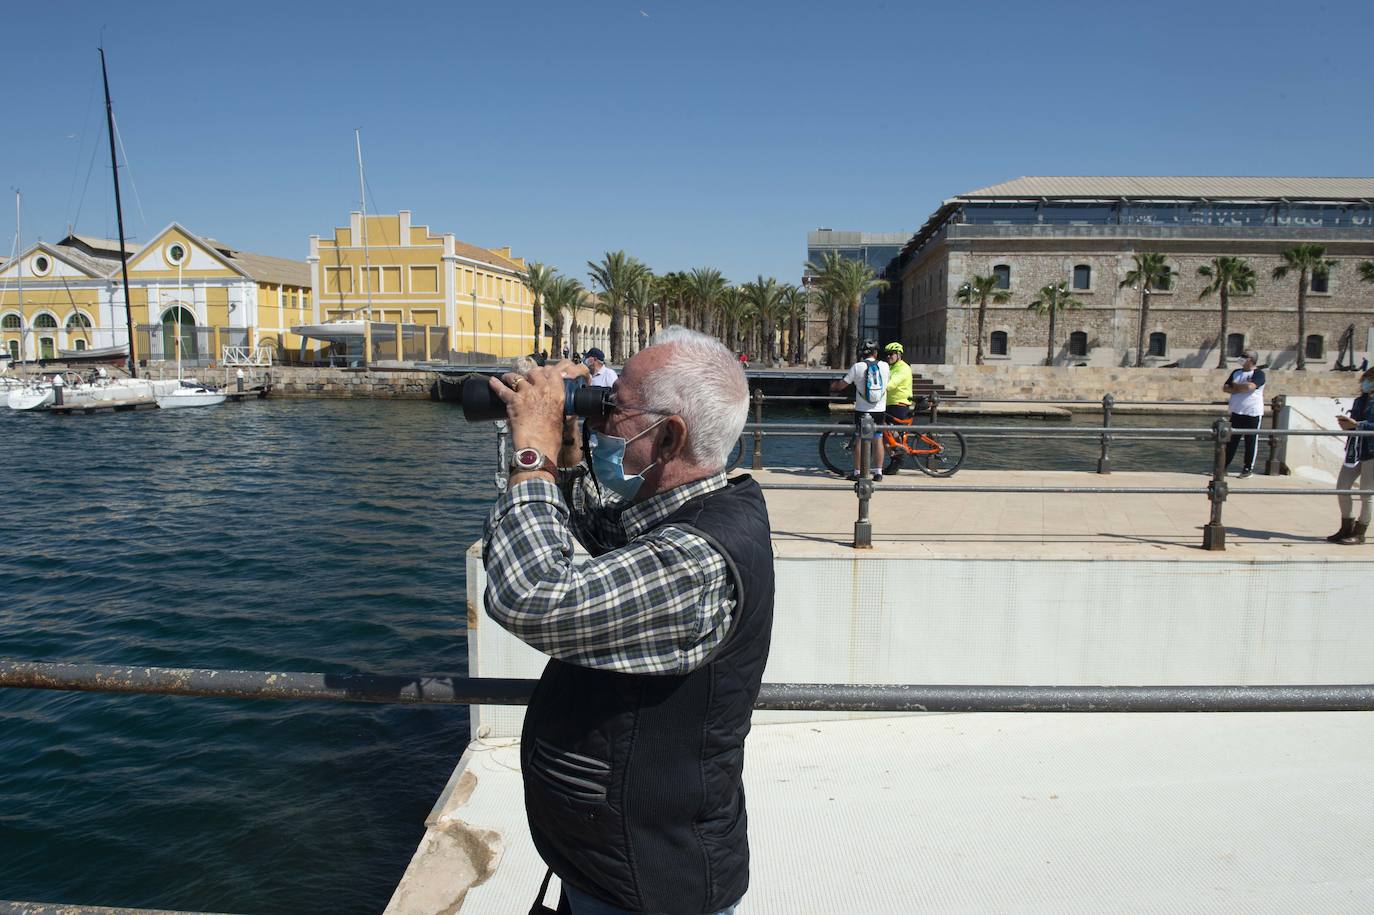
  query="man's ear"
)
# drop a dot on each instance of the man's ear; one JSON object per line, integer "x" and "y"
{"x": 673, "y": 443}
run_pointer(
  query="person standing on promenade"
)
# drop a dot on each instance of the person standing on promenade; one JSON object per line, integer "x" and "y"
{"x": 869, "y": 378}
{"x": 1357, "y": 470}
{"x": 632, "y": 753}
{"x": 1246, "y": 387}
{"x": 898, "y": 391}
{"x": 603, "y": 376}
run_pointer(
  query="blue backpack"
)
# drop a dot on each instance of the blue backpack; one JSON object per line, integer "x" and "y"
{"x": 874, "y": 389}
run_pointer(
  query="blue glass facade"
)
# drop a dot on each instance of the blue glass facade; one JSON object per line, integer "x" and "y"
{"x": 880, "y": 314}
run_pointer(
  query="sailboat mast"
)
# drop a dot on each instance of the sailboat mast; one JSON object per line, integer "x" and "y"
{"x": 19, "y": 253}
{"x": 119, "y": 218}
{"x": 362, "y": 198}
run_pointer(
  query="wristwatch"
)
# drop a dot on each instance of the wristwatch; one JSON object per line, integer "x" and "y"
{"x": 528, "y": 460}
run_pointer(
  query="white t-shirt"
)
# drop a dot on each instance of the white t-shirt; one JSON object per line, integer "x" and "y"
{"x": 1248, "y": 403}
{"x": 869, "y": 378}
{"x": 605, "y": 377}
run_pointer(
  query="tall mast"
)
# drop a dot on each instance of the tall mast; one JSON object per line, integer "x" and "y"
{"x": 19, "y": 263}
{"x": 119, "y": 218}
{"x": 362, "y": 197}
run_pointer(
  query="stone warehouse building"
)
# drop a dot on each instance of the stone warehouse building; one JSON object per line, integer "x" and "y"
{"x": 1035, "y": 231}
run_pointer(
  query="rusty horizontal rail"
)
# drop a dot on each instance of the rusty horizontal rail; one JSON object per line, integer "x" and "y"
{"x": 445, "y": 690}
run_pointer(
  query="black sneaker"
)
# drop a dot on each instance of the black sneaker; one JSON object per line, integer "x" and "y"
{"x": 853, "y": 477}
{"x": 1245, "y": 473}
{"x": 877, "y": 478}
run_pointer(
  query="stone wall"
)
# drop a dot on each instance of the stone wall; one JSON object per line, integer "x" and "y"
{"x": 327, "y": 383}
{"x": 1011, "y": 382}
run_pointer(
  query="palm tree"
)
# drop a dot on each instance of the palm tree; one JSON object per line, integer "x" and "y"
{"x": 848, "y": 281}
{"x": 980, "y": 289}
{"x": 704, "y": 287}
{"x": 1307, "y": 261}
{"x": 673, "y": 296}
{"x": 563, "y": 297}
{"x": 734, "y": 309}
{"x": 1054, "y": 298}
{"x": 1224, "y": 276}
{"x": 615, "y": 273}
{"x": 1367, "y": 272}
{"x": 1151, "y": 272}
{"x": 537, "y": 279}
{"x": 641, "y": 297}
{"x": 795, "y": 300}
{"x": 765, "y": 297}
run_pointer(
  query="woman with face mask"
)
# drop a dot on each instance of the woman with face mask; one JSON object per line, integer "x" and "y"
{"x": 1357, "y": 470}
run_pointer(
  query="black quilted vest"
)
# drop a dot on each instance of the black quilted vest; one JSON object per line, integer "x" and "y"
{"x": 634, "y": 783}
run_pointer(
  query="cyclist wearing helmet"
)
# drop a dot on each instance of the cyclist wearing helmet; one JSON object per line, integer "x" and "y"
{"x": 870, "y": 378}
{"x": 898, "y": 389}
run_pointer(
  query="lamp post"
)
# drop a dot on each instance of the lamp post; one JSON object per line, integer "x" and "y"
{"x": 474, "y": 315}
{"x": 501, "y": 299}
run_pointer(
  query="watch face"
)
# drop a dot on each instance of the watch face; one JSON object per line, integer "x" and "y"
{"x": 528, "y": 458}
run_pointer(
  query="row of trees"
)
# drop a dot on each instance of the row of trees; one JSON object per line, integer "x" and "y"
{"x": 1225, "y": 276}
{"x": 762, "y": 316}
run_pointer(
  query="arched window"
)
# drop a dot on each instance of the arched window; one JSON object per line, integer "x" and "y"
{"x": 1002, "y": 273}
{"x": 999, "y": 343}
{"x": 44, "y": 320}
{"x": 1159, "y": 343}
{"x": 1078, "y": 343}
{"x": 1235, "y": 345}
{"x": 1315, "y": 346}
{"x": 10, "y": 322}
{"x": 1320, "y": 282}
{"x": 1082, "y": 277}
{"x": 177, "y": 323}
{"x": 78, "y": 322}
{"x": 80, "y": 345}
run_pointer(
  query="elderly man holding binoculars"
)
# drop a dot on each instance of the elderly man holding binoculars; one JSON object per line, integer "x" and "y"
{"x": 633, "y": 745}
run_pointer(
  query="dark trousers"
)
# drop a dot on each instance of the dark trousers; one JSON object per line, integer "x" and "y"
{"x": 1251, "y": 441}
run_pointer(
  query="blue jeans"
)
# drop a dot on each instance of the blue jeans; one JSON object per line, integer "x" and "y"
{"x": 582, "y": 904}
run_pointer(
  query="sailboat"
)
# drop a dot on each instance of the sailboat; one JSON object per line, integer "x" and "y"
{"x": 188, "y": 392}
{"x": 353, "y": 329}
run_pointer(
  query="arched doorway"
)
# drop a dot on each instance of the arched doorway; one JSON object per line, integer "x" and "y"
{"x": 45, "y": 325}
{"x": 178, "y": 321}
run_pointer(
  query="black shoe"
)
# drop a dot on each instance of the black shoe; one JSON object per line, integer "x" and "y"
{"x": 877, "y": 478}
{"x": 853, "y": 477}
{"x": 1347, "y": 528}
{"x": 1245, "y": 474}
{"x": 1355, "y": 536}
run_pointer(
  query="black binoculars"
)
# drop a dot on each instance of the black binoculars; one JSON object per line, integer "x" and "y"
{"x": 480, "y": 402}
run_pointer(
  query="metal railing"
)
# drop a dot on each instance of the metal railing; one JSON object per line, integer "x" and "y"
{"x": 1217, "y": 489}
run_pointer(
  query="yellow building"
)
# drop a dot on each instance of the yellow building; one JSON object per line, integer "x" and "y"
{"x": 69, "y": 297}
{"x": 408, "y": 275}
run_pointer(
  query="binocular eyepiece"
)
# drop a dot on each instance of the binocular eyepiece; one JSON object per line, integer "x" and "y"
{"x": 480, "y": 402}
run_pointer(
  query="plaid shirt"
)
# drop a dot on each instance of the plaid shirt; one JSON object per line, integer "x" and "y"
{"x": 652, "y": 600}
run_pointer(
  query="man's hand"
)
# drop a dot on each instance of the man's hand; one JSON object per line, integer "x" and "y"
{"x": 1346, "y": 423}
{"x": 534, "y": 404}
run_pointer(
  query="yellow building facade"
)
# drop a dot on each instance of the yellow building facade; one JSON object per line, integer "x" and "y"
{"x": 409, "y": 275}
{"x": 66, "y": 298}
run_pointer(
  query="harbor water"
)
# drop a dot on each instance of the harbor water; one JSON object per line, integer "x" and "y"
{"x": 280, "y": 535}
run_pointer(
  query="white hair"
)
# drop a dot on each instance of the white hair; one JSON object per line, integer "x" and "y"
{"x": 701, "y": 381}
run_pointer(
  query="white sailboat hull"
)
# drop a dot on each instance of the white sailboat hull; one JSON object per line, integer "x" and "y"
{"x": 190, "y": 397}
{"x": 29, "y": 398}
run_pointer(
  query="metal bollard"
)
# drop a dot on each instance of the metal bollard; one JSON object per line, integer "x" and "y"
{"x": 58, "y": 388}
{"x": 934, "y": 408}
{"x": 758, "y": 434}
{"x": 1214, "y": 533}
{"x": 239, "y": 380}
{"x": 1104, "y": 463}
{"x": 1277, "y": 447}
{"x": 863, "y": 527}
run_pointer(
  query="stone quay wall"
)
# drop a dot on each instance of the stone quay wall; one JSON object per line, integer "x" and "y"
{"x": 1036, "y": 382}
{"x": 329, "y": 384}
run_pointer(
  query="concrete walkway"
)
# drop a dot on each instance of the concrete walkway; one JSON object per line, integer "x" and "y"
{"x": 952, "y": 524}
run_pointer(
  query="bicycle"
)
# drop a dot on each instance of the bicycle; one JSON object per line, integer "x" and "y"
{"x": 938, "y": 454}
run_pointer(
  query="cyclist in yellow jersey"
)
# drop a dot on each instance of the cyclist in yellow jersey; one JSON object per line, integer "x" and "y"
{"x": 898, "y": 389}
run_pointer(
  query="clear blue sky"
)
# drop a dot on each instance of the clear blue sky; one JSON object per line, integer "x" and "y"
{"x": 687, "y": 133}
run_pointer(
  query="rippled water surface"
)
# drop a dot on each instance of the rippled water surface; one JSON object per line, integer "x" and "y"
{"x": 281, "y": 535}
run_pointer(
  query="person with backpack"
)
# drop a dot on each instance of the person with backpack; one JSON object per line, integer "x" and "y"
{"x": 869, "y": 378}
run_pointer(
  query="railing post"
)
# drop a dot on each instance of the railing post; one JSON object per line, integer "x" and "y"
{"x": 1214, "y": 534}
{"x": 863, "y": 527}
{"x": 758, "y": 433}
{"x": 1104, "y": 463}
{"x": 503, "y": 455}
{"x": 1277, "y": 450}
{"x": 934, "y": 408}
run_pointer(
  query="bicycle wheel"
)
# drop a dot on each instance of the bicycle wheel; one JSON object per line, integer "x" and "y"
{"x": 837, "y": 452}
{"x": 947, "y": 460}
{"x": 736, "y": 455}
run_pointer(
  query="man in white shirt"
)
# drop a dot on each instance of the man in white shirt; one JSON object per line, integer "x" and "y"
{"x": 869, "y": 377}
{"x": 603, "y": 376}
{"x": 1246, "y": 387}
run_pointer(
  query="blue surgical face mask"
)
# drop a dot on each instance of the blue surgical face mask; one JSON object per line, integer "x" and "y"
{"x": 608, "y": 463}
{"x": 1367, "y": 386}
